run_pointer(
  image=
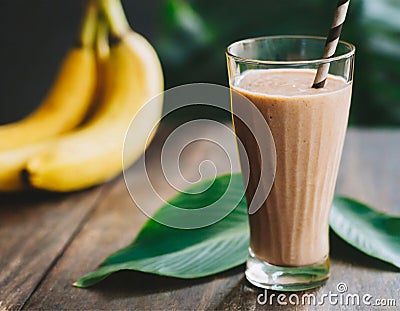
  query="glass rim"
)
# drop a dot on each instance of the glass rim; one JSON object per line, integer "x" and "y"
{"x": 346, "y": 55}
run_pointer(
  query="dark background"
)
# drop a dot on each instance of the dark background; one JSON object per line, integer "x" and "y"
{"x": 35, "y": 36}
{"x": 190, "y": 37}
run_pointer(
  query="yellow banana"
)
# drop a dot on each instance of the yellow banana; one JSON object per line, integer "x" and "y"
{"x": 102, "y": 49}
{"x": 12, "y": 163}
{"x": 93, "y": 154}
{"x": 67, "y": 101}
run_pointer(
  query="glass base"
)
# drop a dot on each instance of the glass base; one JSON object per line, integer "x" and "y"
{"x": 265, "y": 275}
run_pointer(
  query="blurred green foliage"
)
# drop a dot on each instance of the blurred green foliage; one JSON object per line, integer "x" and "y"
{"x": 194, "y": 35}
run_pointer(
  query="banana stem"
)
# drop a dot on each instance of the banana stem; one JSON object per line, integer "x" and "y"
{"x": 115, "y": 15}
{"x": 102, "y": 45}
{"x": 89, "y": 25}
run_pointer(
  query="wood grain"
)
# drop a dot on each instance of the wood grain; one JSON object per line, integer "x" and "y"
{"x": 35, "y": 228}
{"x": 369, "y": 172}
{"x": 114, "y": 224}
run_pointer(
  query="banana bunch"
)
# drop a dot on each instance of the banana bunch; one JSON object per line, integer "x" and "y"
{"x": 75, "y": 139}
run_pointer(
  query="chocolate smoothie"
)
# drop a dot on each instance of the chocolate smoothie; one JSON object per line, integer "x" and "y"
{"x": 308, "y": 126}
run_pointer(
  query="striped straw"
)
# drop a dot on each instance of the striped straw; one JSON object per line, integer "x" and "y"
{"x": 331, "y": 42}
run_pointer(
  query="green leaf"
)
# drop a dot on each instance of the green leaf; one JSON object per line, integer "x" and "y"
{"x": 373, "y": 26}
{"x": 192, "y": 253}
{"x": 186, "y": 253}
{"x": 188, "y": 20}
{"x": 374, "y": 233}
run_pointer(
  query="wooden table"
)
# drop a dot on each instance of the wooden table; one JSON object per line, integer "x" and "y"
{"x": 47, "y": 241}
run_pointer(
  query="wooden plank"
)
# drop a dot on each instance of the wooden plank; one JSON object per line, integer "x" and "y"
{"x": 34, "y": 230}
{"x": 370, "y": 169}
{"x": 116, "y": 221}
{"x": 368, "y": 173}
{"x": 114, "y": 224}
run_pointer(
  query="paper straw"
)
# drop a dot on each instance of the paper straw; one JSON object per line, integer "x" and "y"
{"x": 331, "y": 42}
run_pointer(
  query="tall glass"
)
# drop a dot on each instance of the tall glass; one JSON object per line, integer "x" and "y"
{"x": 289, "y": 241}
